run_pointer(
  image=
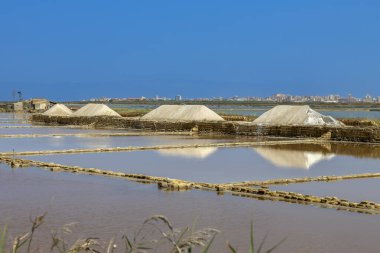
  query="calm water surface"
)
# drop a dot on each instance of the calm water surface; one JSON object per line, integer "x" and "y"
{"x": 73, "y": 142}
{"x": 55, "y": 130}
{"x": 220, "y": 165}
{"x": 354, "y": 190}
{"x": 105, "y": 207}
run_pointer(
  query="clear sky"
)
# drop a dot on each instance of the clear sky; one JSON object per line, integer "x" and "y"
{"x": 77, "y": 49}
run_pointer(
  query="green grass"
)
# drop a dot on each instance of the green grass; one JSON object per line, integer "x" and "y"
{"x": 131, "y": 112}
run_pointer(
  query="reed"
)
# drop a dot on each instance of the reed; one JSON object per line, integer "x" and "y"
{"x": 156, "y": 234}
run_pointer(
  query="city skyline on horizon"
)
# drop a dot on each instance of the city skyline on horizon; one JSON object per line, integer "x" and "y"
{"x": 17, "y": 94}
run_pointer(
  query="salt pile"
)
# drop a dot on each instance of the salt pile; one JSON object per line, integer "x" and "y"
{"x": 92, "y": 110}
{"x": 295, "y": 115}
{"x": 292, "y": 158}
{"x": 58, "y": 110}
{"x": 182, "y": 113}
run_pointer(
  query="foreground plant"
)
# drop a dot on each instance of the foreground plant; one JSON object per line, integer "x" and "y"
{"x": 261, "y": 245}
{"x": 156, "y": 234}
{"x": 178, "y": 240}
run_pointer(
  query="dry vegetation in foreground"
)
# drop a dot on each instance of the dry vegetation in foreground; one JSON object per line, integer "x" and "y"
{"x": 156, "y": 234}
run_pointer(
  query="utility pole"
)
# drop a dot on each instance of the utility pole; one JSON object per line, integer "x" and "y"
{"x": 19, "y": 96}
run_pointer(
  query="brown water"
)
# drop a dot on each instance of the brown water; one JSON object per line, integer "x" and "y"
{"x": 104, "y": 207}
{"x": 221, "y": 165}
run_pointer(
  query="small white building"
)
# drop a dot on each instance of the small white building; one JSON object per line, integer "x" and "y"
{"x": 18, "y": 107}
{"x": 40, "y": 104}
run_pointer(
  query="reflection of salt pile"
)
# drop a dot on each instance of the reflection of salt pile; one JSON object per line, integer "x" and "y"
{"x": 198, "y": 153}
{"x": 58, "y": 110}
{"x": 90, "y": 142}
{"x": 91, "y": 110}
{"x": 182, "y": 113}
{"x": 292, "y": 158}
{"x": 295, "y": 115}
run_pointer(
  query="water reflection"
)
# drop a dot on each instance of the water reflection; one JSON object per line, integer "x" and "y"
{"x": 232, "y": 164}
{"x": 105, "y": 207}
{"x": 287, "y": 158}
{"x": 20, "y": 117}
{"x": 191, "y": 153}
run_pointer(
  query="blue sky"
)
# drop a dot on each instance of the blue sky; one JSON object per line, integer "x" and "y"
{"x": 68, "y": 50}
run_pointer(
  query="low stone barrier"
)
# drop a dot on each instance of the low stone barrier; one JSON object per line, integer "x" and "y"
{"x": 306, "y": 179}
{"x": 348, "y": 133}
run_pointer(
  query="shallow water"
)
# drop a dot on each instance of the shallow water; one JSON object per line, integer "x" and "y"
{"x": 14, "y": 124}
{"x": 354, "y": 190}
{"x": 14, "y": 117}
{"x": 103, "y": 207}
{"x": 221, "y": 165}
{"x": 106, "y": 207}
{"x": 73, "y": 142}
{"x": 352, "y": 114}
{"x": 55, "y": 130}
{"x": 257, "y": 111}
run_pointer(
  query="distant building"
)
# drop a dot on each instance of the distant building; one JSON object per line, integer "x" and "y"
{"x": 378, "y": 100}
{"x": 352, "y": 99}
{"x": 178, "y": 98}
{"x": 367, "y": 99}
{"x": 39, "y": 104}
{"x": 18, "y": 107}
{"x": 281, "y": 98}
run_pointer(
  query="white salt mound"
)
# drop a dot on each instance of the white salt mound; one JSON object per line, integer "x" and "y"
{"x": 182, "y": 113}
{"x": 58, "y": 110}
{"x": 295, "y": 115}
{"x": 92, "y": 110}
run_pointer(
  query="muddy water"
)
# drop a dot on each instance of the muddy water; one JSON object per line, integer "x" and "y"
{"x": 104, "y": 207}
{"x": 354, "y": 190}
{"x": 232, "y": 164}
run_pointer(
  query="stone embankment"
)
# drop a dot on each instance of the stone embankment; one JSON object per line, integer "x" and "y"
{"x": 338, "y": 133}
{"x": 175, "y": 184}
{"x": 284, "y": 181}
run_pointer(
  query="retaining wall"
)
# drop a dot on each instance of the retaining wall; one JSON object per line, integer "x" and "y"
{"x": 347, "y": 133}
